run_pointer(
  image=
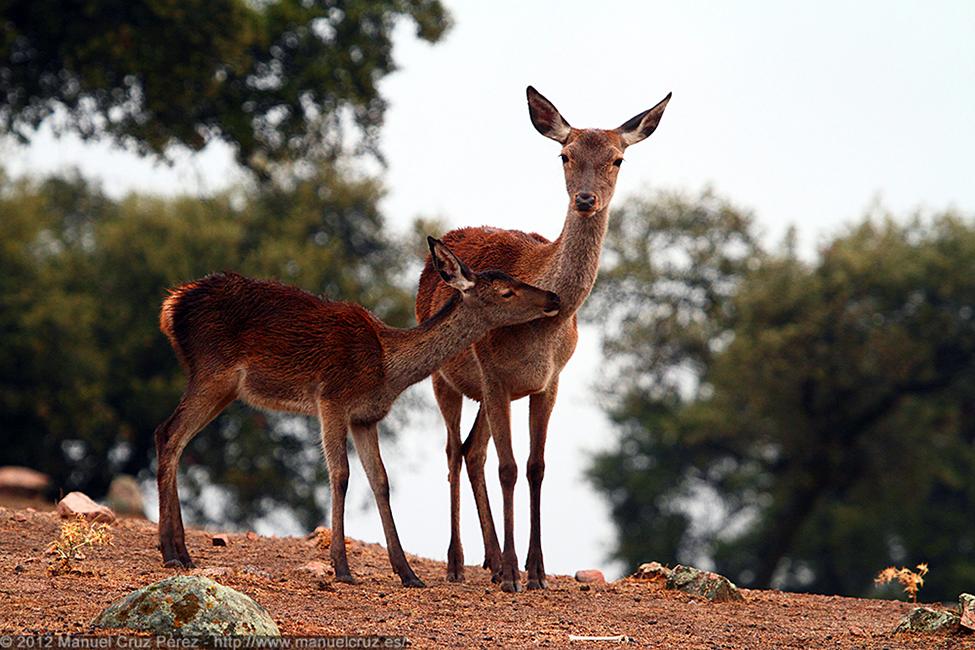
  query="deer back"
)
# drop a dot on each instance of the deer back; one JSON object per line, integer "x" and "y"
{"x": 282, "y": 338}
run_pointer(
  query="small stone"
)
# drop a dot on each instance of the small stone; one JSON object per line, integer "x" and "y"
{"x": 593, "y": 576}
{"x": 19, "y": 568}
{"x": 966, "y": 603}
{"x": 20, "y": 516}
{"x": 925, "y": 619}
{"x": 257, "y": 571}
{"x": 706, "y": 584}
{"x": 214, "y": 571}
{"x": 23, "y": 481}
{"x": 652, "y": 571}
{"x": 252, "y": 536}
{"x": 125, "y": 496}
{"x": 79, "y": 503}
{"x": 220, "y": 540}
{"x": 317, "y": 568}
{"x": 584, "y": 587}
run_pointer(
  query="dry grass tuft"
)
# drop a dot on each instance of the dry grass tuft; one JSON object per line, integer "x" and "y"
{"x": 75, "y": 536}
{"x": 912, "y": 581}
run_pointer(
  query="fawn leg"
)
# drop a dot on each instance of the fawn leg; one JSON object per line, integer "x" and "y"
{"x": 367, "y": 445}
{"x": 200, "y": 403}
{"x": 539, "y": 410}
{"x": 451, "y": 402}
{"x": 334, "y": 422}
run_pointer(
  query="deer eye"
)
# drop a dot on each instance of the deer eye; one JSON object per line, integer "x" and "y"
{"x": 507, "y": 293}
{"x": 564, "y": 158}
{"x": 618, "y": 162}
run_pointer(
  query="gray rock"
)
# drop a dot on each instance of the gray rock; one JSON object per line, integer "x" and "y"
{"x": 188, "y": 605}
{"x": 925, "y": 619}
{"x": 705, "y": 584}
{"x": 966, "y": 604}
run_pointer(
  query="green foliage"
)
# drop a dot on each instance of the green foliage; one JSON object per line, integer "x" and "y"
{"x": 85, "y": 374}
{"x": 820, "y": 425}
{"x": 278, "y": 79}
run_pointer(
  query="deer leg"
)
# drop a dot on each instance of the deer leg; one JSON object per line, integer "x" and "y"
{"x": 367, "y": 445}
{"x": 198, "y": 406}
{"x": 497, "y": 403}
{"x": 539, "y": 410}
{"x": 334, "y": 424}
{"x": 451, "y": 402}
{"x": 475, "y": 454}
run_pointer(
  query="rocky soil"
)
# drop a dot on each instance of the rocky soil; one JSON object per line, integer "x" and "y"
{"x": 303, "y": 599}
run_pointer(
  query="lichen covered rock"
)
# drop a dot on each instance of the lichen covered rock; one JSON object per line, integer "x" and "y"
{"x": 706, "y": 584}
{"x": 925, "y": 619}
{"x": 966, "y": 604}
{"x": 188, "y": 605}
{"x": 653, "y": 571}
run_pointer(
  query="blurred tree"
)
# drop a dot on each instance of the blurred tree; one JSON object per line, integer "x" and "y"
{"x": 85, "y": 375}
{"x": 278, "y": 79}
{"x": 810, "y": 423}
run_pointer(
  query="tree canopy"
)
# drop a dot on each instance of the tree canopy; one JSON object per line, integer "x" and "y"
{"x": 85, "y": 374}
{"x": 279, "y": 80}
{"x": 797, "y": 423}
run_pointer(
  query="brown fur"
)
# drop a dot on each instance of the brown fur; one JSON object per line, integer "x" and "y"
{"x": 525, "y": 360}
{"x": 277, "y": 347}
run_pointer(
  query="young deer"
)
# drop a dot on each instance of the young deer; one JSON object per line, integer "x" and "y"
{"x": 279, "y": 348}
{"x": 512, "y": 362}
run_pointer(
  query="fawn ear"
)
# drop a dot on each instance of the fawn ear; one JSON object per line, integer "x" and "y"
{"x": 546, "y": 117}
{"x": 451, "y": 269}
{"x": 640, "y": 126}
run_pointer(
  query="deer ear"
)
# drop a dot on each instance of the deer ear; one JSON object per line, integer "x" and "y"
{"x": 640, "y": 126}
{"x": 546, "y": 118}
{"x": 451, "y": 269}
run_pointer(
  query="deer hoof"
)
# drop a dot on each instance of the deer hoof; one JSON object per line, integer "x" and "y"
{"x": 510, "y": 586}
{"x": 413, "y": 583}
{"x": 537, "y": 584}
{"x": 179, "y": 563}
{"x": 455, "y": 575}
{"x": 347, "y": 579}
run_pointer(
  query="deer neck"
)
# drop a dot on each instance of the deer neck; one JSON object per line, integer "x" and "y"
{"x": 412, "y": 355}
{"x": 575, "y": 262}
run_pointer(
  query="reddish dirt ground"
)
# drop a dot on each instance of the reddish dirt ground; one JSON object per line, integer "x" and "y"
{"x": 475, "y": 614}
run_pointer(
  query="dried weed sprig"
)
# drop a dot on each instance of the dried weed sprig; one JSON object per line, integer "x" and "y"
{"x": 911, "y": 580}
{"x": 75, "y": 535}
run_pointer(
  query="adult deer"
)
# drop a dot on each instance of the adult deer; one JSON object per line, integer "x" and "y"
{"x": 514, "y": 361}
{"x": 279, "y": 348}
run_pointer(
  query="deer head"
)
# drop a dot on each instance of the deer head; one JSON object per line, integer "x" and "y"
{"x": 501, "y": 299}
{"x": 591, "y": 158}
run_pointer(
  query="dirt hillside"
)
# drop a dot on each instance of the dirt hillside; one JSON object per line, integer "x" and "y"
{"x": 475, "y": 614}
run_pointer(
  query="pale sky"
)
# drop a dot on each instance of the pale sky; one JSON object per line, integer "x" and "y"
{"x": 803, "y": 113}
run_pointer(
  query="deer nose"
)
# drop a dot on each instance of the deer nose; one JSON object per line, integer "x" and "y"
{"x": 553, "y": 306}
{"x": 585, "y": 201}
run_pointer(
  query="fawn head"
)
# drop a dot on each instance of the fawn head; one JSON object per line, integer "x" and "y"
{"x": 500, "y": 298}
{"x": 591, "y": 157}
